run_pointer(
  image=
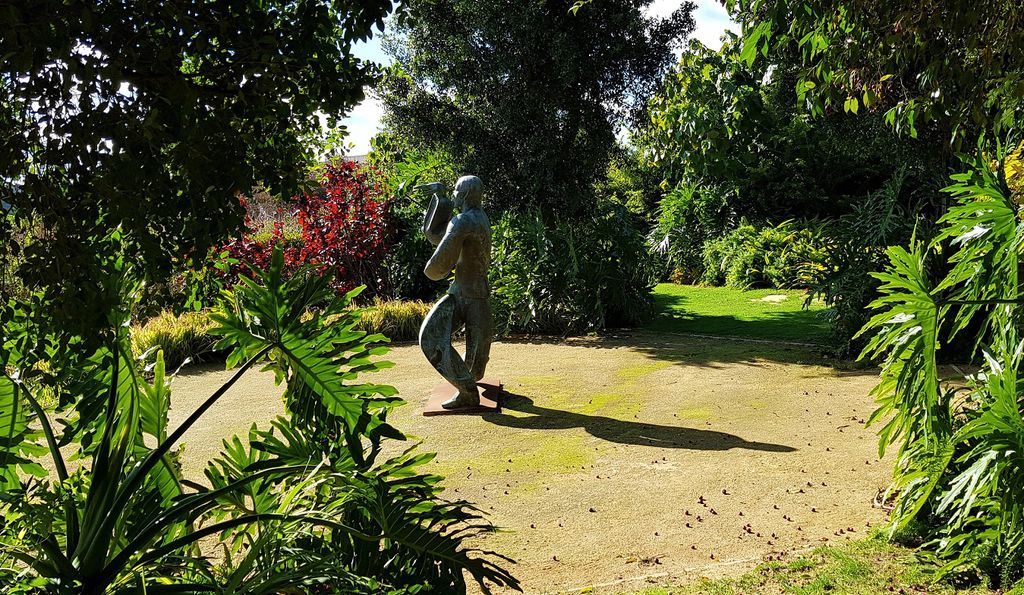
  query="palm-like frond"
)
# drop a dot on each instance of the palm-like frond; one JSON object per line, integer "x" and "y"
{"x": 906, "y": 340}
{"x": 385, "y": 523}
{"x": 287, "y": 501}
{"x": 421, "y": 538}
{"x": 316, "y": 351}
{"x": 970, "y": 481}
{"x": 19, "y": 442}
{"x": 988, "y": 237}
{"x": 991, "y": 484}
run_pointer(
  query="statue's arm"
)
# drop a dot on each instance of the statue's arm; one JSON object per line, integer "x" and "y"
{"x": 446, "y": 255}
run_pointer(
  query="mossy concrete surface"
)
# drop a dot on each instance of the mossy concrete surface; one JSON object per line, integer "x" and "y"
{"x": 629, "y": 458}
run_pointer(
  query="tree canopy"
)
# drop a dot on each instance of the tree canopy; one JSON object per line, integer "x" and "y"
{"x": 957, "y": 63}
{"x": 733, "y": 145}
{"x": 151, "y": 117}
{"x": 528, "y": 95}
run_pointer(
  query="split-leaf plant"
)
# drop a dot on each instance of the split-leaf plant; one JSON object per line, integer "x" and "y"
{"x": 308, "y": 505}
{"x": 959, "y": 442}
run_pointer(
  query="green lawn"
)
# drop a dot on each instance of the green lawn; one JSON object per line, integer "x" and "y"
{"x": 775, "y": 314}
{"x": 864, "y": 567}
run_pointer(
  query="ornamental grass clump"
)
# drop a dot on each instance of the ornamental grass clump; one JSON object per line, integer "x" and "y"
{"x": 397, "y": 319}
{"x": 181, "y": 337}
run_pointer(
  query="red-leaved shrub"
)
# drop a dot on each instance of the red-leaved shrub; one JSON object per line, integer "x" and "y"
{"x": 345, "y": 224}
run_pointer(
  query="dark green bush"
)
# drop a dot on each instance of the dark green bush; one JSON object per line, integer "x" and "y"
{"x": 688, "y": 218}
{"x": 787, "y": 255}
{"x": 409, "y": 252}
{"x": 570, "y": 276}
{"x": 634, "y": 181}
{"x": 858, "y": 249}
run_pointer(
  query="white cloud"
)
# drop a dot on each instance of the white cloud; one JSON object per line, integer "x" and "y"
{"x": 363, "y": 123}
{"x": 712, "y": 22}
{"x": 662, "y": 8}
{"x": 711, "y": 19}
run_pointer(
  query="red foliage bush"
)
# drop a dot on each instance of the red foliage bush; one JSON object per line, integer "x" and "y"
{"x": 346, "y": 226}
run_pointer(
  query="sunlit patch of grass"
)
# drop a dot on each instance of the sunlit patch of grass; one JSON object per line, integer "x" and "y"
{"x": 724, "y": 311}
{"x": 548, "y": 452}
{"x": 800, "y": 564}
{"x": 865, "y": 567}
{"x": 539, "y": 451}
{"x": 621, "y": 401}
{"x": 543, "y": 382}
{"x": 612, "y": 404}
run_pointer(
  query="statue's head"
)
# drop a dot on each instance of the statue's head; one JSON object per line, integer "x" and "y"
{"x": 469, "y": 192}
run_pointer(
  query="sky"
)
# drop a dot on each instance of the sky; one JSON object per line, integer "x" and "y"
{"x": 364, "y": 121}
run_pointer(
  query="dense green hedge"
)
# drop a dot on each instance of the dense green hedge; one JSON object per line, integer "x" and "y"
{"x": 788, "y": 256}
{"x": 570, "y": 276}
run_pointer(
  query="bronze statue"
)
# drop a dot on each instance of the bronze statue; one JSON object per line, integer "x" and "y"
{"x": 465, "y": 246}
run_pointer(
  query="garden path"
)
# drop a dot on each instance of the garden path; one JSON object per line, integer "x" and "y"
{"x": 606, "y": 447}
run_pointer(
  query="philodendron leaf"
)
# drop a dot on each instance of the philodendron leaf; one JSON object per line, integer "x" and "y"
{"x": 17, "y": 438}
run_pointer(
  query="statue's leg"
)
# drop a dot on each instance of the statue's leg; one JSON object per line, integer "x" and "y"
{"x": 436, "y": 343}
{"x": 479, "y": 335}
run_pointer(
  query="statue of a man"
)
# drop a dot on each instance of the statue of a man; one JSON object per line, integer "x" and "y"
{"x": 465, "y": 246}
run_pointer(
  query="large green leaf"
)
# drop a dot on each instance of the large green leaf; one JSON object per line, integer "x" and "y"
{"x": 988, "y": 238}
{"x": 316, "y": 348}
{"x": 423, "y": 537}
{"x": 284, "y": 501}
{"x": 966, "y": 485}
{"x": 18, "y": 440}
{"x": 905, "y": 337}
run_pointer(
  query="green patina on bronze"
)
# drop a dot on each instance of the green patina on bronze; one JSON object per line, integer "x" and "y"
{"x": 465, "y": 247}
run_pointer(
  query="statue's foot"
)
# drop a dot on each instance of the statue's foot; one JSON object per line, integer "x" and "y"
{"x": 462, "y": 400}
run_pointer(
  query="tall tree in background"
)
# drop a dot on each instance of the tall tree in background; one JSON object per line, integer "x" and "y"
{"x": 151, "y": 117}
{"x": 526, "y": 94}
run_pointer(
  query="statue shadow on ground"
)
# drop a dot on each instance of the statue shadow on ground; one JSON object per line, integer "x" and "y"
{"x": 620, "y": 431}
